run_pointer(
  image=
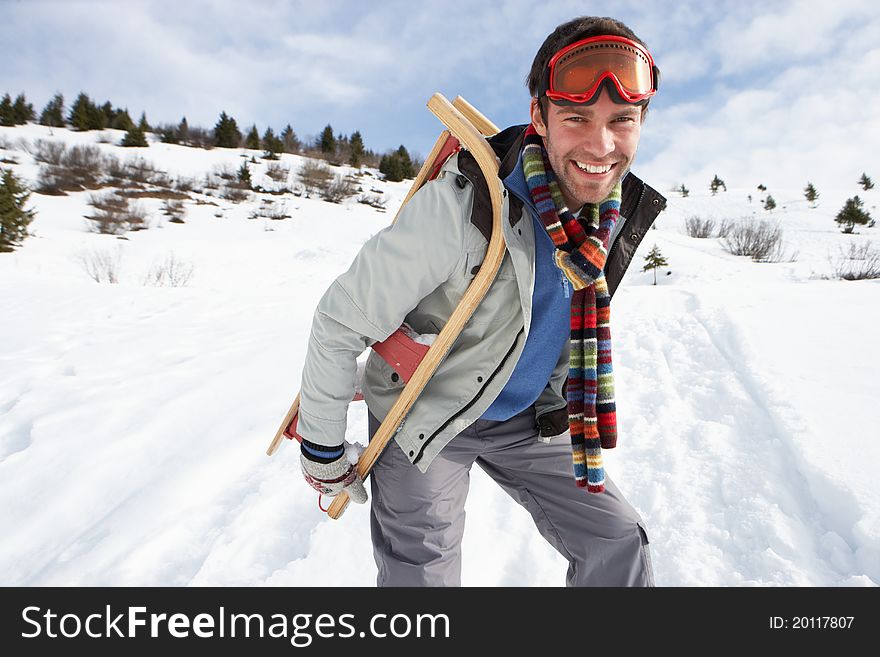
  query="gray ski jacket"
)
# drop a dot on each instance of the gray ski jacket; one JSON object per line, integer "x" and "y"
{"x": 416, "y": 271}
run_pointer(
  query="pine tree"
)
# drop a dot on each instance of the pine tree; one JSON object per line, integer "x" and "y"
{"x": 122, "y": 120}
{"x": 183, "y": 131}
{"x": 356, "y": 148}
{"x": 292, "y": 143}
{"x": 684, "y": 191}
{"x": 14, "y": 219}
{"x": 109, "y": 114}
{"x": 866, "y": 182}
{"x": 53, "y": 113}
{"x": 852, "y": 213}
{"x": 244, "y": 175}
{"x": 391, "y": 167}
{"x": 811, "y": 194}
{"x": 142, "y": 123}
{"x": 271, "y": 145}
{"x": 22, "y": 111}
{"x": 328, "y": 141}
{"x": 80, "y": 117}
{"x": 7, "y": 117}
{"x": 134, "y": 137}
{"x": 253, "y": 139}
{"x": 717, "y": 184}
{"x": 770, "y": 203}
{"x": 653, "y": 260}
{"x": 409, "y": 170}
{"x": 226, "y": 133}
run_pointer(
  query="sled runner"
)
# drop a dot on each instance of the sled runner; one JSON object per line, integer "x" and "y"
{"x": 415, "y": 363}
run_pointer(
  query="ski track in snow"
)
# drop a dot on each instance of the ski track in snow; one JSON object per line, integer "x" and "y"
{"x": 738, "y": 506}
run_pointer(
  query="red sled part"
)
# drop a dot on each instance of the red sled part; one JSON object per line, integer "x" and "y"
{"x": 450, "y": 147}
{"x": 399, "y": 350}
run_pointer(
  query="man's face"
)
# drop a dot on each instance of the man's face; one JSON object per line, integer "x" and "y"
{"x": 603, "y": 137}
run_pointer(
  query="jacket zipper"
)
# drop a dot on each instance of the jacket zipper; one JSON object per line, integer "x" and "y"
{"x": 472, "y": 401}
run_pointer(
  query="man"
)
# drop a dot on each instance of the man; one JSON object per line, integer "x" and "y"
{"x": 526, "y": 392}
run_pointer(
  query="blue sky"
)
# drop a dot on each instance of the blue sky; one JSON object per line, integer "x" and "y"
{"x": 778, "y": 92}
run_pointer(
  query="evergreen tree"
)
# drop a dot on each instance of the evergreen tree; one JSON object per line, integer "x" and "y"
{"x": 852, "y": 213}
{"x": 684, "y": 191}
{"x": 109, "y": 114}
{"x": 142, "y": 123}
{"x": 53, "y": 113}
{"x": 7, "y": 117}
{"x": 81, "y": 113}
{"x": 244, "y": 175}
{"x": 391, "y": 166}
{"x": 866, "y": 182}
{"x": 717, "y": 184}
{"x": 22, "y": 111}
{"x": 653, "y": 260}
{"x": 253, "y": 139}
{"x": 134, "y": 137}
{"x": 292, "y": 143}
{"x": 14, "y": 219}
{"x": 328, "y": 141}
{"x": 272, "y": 145}
{"x": 183, "y": 131}
{"x": 406, "y": 163}
{"x": 226, "y": 133}
{"x": 122, "y": 120}
{"x": 762, "y": 188}
{"x": 811, "y": 194}
{"x": 356, "y": 150}
{"x": 770, "y": 203}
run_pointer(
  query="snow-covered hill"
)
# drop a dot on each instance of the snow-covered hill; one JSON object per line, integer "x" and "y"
{"x": 134, "y": 418}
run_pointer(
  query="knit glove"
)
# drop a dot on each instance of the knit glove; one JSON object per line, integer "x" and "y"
{"x": 328, "y": 471}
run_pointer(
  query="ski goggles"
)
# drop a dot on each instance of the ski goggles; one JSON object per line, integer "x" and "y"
{"x": 576, "y": 73}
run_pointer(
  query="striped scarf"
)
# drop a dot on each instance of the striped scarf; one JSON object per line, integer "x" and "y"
{"x": 580, "y": 254}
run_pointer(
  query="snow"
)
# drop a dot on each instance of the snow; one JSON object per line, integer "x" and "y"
{"x": 134, "y": 419}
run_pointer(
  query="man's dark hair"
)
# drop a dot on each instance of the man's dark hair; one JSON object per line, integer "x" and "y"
{"x": 574, "y": 30}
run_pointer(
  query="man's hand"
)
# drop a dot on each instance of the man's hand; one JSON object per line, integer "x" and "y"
{"x": 328, "y": 471}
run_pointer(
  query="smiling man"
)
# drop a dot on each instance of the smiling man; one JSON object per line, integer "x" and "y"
{"x": 526, "y": 392}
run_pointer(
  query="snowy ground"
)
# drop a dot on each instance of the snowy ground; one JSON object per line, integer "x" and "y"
{"x": 134, "y": 419}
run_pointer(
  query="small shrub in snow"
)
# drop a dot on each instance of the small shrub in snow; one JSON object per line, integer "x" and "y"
{"x": 761, "y": 241}
{"x": 235, "y": 192}
{"x": 857, "y": 263}
{"x": 726, "y": 226}
{"x": 79, "y": 167}
{"x": 341, "y": 188}
{"x": 277, "y": 172}
{"x": 315, "y": 177}
{"x": 701, "y": 228}
{"x": 115, "y": 214}
{"x": 373, "y": 200}
{"x": 270, "y": 210}
{"x": 48, "y": 152}
{"x": 174, "y": 210}
{"x": 171, "y": 272}
{"x": 102, "y": 266}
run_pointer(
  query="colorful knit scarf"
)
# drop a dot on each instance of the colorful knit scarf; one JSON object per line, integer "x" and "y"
{"x": 580, "y": 254}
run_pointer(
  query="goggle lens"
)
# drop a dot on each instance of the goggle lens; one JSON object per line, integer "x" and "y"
{"x": 577, "y": 71}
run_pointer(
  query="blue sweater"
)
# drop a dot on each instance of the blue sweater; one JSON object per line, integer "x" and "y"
{"x": 549, "y": 331}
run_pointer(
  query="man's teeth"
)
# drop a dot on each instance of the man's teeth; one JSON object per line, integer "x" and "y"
{"x": 589, "y": 168}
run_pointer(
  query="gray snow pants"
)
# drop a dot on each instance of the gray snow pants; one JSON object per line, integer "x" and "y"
{"x": 417, "y": 520}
